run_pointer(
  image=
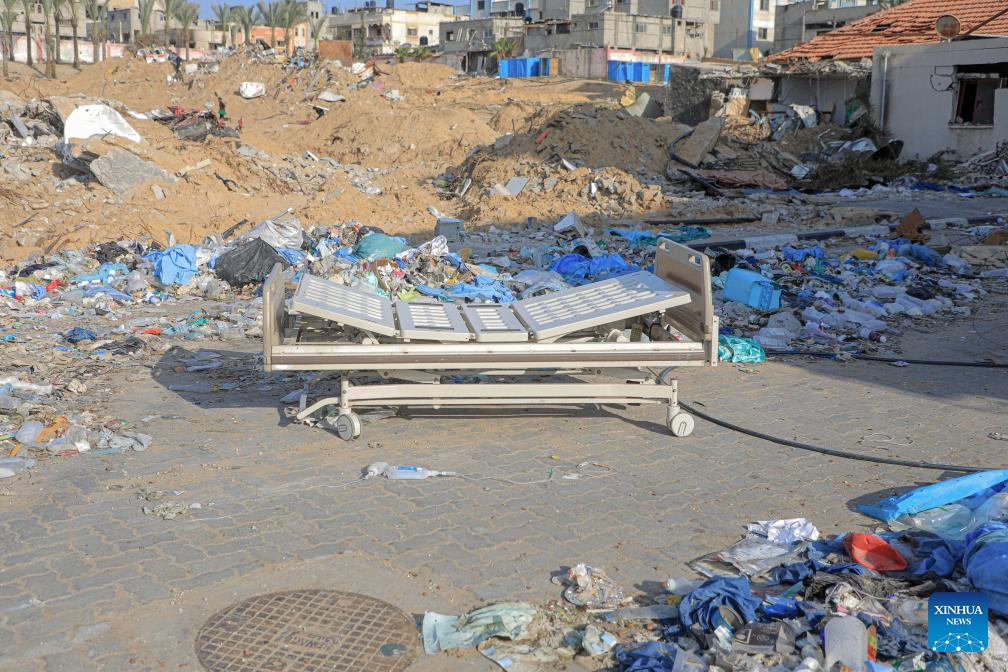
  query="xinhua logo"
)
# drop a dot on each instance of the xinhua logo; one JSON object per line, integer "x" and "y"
{"x": 957, "y": 622}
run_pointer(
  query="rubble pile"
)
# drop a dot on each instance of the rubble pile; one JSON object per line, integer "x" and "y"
{"x": 783, "y": 599}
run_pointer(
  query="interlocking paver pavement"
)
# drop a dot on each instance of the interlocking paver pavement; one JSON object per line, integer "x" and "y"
{"x": 90, "y": 582}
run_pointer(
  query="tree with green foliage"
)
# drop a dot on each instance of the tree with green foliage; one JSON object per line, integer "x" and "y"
{"x": 29, "y": 7}
{"x": 171, "y": 12}
{"x": 244, "y": 17}
{"x": 403, "y": 52}
{"x": 318, "y": 26}
{"x": 187, "y": 16}
{"x": 292, "y": 14}
{"x": 74, "y": 15}
{"x": 224, "y": 19}
{"x": 503, "y": 48}
{"x": 269, "y": 15}
{"x": 8, "y": 13}
{"x": 421, "y": 53}
{"x": 145, "y": 9}
{"x": 96, "y": 14}
{"x": 48, "y": 13}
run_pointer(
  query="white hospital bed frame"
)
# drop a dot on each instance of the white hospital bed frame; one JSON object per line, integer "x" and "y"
{"x": 560, "y": 333}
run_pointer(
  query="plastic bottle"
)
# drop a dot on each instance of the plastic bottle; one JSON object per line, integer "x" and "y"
{"x": 872, "y": 335}
{"x": 402, "y": 472}
{"x": 682, "y": 585}
{"x": 809, "y": 665}
{"x": 846, "y": 642}
{"x": 950, "y": 521}
{"x": 994, "y": 509}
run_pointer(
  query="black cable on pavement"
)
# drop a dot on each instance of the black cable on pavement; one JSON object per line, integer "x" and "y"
{"x": 830, "y": 451}
{"x": 875, "y": 358}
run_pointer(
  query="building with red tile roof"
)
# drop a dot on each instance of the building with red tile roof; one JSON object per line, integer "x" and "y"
{"x": 912, "y": 22}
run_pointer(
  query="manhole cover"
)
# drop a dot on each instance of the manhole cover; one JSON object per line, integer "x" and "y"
{"x": 305, "y": 630}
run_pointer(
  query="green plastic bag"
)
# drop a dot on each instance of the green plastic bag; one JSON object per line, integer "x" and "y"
{"x": 740, "y": 350}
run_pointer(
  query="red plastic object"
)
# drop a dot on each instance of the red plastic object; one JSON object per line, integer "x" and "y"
{"x": 874, "y": 553}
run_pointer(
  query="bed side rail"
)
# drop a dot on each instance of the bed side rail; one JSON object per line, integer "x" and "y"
{"x": 690, "y": 270}
{"x": 273, "y": 310}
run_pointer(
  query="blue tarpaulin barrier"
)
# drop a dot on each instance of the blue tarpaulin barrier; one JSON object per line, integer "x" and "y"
{"x": 523, "y": 67}
{"x": 620, "y": 71}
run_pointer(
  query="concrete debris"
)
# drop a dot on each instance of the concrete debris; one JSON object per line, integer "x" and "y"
{"x": 692, "y": 149}
{"x": 121, "y": 171}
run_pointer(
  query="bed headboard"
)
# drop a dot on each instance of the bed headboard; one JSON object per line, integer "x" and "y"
{"x": 273, "y": 309}
{"x": 690, "y": 270}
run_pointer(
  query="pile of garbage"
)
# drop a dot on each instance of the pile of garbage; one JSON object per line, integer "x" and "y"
{"x": 796, "y": 293}
{"x": 117, "y": 303}
{"x": 929, "y": 586}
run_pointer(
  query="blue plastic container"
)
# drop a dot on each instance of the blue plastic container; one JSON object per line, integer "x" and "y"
{"x": 752, "y": 289}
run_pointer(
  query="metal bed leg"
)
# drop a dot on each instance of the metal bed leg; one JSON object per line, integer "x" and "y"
{"x": 679, "y": 422}
{"x": 348, "y": 423}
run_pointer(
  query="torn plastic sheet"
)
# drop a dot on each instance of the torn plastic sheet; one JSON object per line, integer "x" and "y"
{"x": 751, "y": 556}
{"x": 506, "y": 619}
{"x": 937, "y": 494}
{"x": 88, "y": 121}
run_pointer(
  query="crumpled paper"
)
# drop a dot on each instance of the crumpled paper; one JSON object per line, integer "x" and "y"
{"x": 785, "y": 530}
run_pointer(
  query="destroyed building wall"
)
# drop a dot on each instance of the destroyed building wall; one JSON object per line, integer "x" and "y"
{"x": 943, "y": 97}
{"x": 824, "y": 93}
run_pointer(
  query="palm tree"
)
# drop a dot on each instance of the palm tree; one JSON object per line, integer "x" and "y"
{"x": 187, "y": 16}
{"x": 224, "y": 18}
{"x": 317, "y": 28}
{"x": 8, "y": 13}
{"x": 48, "y": 12}
{"x": 293, "y": 13}
{"x": 29, "y": 7}
{"x": 74, "y": 12}
{"x": 269, "y": 13}
{"x": 95, "y": 12}
{"x": 145, "y": 8}
{"x": 421, "y": 53}
{"x": 245, "y": 17}
{"x": 171, "y": 11}
{"x": 61, "y": 12}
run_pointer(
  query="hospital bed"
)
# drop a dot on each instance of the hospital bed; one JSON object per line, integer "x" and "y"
{"x": 633, "y": 328}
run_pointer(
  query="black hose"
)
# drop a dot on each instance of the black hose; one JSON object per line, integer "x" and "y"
{"x": 875, "y": 358}
{"x": 830, "y": 451}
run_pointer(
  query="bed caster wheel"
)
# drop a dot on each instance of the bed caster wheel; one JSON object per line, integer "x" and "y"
{"x": 680, "y": 424}
{"x": 348, "y": 426}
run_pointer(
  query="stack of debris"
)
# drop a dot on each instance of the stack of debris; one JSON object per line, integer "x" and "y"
{"x": 785, "y": 600}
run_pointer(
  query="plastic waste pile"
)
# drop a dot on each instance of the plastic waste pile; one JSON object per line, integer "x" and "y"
{"x": 123, "y": 301}
{"x": 848, "y": 298}
{"x": 784, "y": 600}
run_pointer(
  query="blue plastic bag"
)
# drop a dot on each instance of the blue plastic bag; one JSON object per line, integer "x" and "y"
{"x": 379, "y": 246}
{"x": 701, "y": 606}
{"x": 740, "y": 350}
{"x": 176, "y": 265}
{"x": 937, "y": 494}
{"x": 986, "y": 564}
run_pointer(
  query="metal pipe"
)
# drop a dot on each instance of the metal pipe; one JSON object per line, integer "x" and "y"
{"x": 885, "y": 79}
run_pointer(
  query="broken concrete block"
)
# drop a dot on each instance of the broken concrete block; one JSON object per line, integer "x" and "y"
{"x": 159, "y": 193}
{"x": 449, "y": 227}
{"x": 645, "y": 107}
{"x": 121, "y": 170}
{"x": 19, "y": 126}
{"x": 550, "y": 183}
{"x": 513, "y": 187}
{"x": 692, "y": 149}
